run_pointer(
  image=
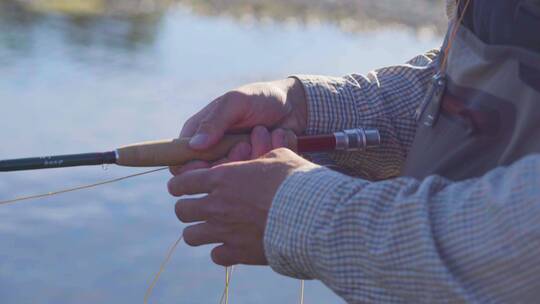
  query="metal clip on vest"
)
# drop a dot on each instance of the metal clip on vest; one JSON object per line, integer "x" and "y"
{"x": 435, "y": 97}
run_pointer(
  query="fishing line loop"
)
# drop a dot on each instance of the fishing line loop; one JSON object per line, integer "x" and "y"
{"x": 228, "y": 270}
{"x": 161, "y": 269}
{"x": 228, "y": 276}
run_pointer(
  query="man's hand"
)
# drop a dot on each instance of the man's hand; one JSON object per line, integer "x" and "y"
{"x": 235, "y": 208}
{"x": 239, "y": 194}
{"x": 271, "y": 104}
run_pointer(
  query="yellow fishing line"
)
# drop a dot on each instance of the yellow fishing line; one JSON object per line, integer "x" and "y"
{"x": 161, "y": 269}
{"x": 228, "y": 275}
{"x": 225, "y": 295}
{"x": 452, "y": 37}
{"x": 170, "y": 252}
{"x": 31, "y": 197}
{"x": 227, "y": 280}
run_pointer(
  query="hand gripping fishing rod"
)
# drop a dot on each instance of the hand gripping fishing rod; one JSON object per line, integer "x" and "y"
{"x": 176, "y": 152}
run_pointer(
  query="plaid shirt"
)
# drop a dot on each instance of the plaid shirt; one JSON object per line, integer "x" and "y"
{"x": 400, "y": 239}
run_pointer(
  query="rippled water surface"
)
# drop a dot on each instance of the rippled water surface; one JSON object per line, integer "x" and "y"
{"x": 82, "y": 84}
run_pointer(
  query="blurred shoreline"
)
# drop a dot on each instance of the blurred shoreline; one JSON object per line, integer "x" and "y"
{"x": 348, "y": 15}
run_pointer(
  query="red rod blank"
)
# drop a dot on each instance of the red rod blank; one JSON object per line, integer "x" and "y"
{"x": 319, "y": 143}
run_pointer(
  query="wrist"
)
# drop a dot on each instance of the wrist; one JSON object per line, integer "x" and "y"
{"x": 292, "y": 220}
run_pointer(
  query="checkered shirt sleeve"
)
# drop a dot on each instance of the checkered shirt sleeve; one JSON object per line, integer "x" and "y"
{"x": 403, "y": 240}
{"x": 408, "y": 241}
{"x": 385, "y": 99}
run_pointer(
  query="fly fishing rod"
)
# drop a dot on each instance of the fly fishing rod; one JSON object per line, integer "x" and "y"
{"x": 176, "y": 152}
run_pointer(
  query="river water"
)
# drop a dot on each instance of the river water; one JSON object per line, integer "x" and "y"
{"x": 71, "y": 85}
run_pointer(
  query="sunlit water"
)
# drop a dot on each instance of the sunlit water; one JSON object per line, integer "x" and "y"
{"x": 70, "y": 86}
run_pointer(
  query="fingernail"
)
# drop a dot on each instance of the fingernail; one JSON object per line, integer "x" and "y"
{"x": 198, "y": 141}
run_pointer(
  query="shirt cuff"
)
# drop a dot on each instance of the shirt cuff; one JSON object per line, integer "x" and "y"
{"x": 295, "y": 215}
{"x": 331, "y": 102}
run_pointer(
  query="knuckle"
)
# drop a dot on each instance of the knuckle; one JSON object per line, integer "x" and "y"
{"x": 207, "y": 124}
{"x": 271, "y": 154}
{"x": 188, "y": 123}
{"x": 280, "y": 152}
{"x": 219, "y": 175}
{"x": 233, "y": 96}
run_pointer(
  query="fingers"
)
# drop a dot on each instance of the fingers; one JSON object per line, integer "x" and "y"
{"x": 227, "y": 111}
{"x": 240, "y": 152}
{"x": 193, "y": 210}
{"x": 279, "y": 139}
{"x": 194, "y": 178}
{"x": 192, "y": 182}
{"x": 195, "y": 165}
{"x": 261, "y": 142}
{"x": 192, "y": 124}
{"x": 202, "y": 234}
{"x": 225, "y": 256}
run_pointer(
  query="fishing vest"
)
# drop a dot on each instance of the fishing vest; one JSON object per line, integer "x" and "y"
{"x": 505, "y": 22}
{"x": 484, "y": 110}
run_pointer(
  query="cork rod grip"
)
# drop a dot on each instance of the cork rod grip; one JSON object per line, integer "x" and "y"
{"x": 176, "y": 152}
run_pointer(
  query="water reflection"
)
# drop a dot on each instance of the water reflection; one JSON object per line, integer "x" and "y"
{"x": 131, "y": 24}
{"x": 129, "y": 32}
{"x": 349, "y": 15}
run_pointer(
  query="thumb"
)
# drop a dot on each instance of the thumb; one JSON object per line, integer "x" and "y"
{"x": 213, "y": 126}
